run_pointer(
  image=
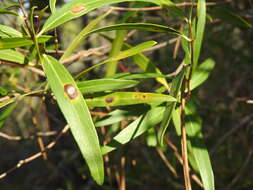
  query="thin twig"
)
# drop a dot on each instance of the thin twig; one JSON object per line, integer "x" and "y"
{"x": 187, "y": 179}
{"x": 178, "y": 156}
{"x": 241, "y": 171}
{"x": 221, "y": 140}
{"x": 25, "y": 16}
{"x": 160, "y": 45}
{"x": 167, "y": 163}
{"x": 85, "y": 53}
{"x": 249, "y": 101}
{"x": 122, "y": 173}
{"x": 37, "y": 155}
{"x": 39, "y": 139}
{"x": 101, "y": 114}
{"x": 28, "y": 67}
{"x": 19, "y": 138}
{"x": 177, "y": 45}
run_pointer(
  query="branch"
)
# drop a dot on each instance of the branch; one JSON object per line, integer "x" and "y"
{"x": 37, "y": 155}
{"x": 28, "y": 67}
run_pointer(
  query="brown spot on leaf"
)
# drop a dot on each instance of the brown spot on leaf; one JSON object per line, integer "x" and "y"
{"x": 135, "y": 96}
{"x": 109, "y": 100}
{"x": 144, "y": 96}
{"x": 71, "y": 91}
{"x": 78, "y": 9}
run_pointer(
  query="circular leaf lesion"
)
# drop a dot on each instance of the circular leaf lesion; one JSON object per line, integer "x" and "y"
{"x": 71, "y": 91}
{"x": 78, "y": 9}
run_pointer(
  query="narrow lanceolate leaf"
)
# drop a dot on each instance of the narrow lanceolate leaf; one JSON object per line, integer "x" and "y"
{"x": 18, "y": 97}
{"x": 201, "y": 73}
{"x": 7, "y": 102}
{"x": 177, "y": 120}
{"x": 77, "y": 8}
{"x": 174, "y": 91}
{"x": 198, "y": 148}
{"x": 76, "y": 112}
{"x": 6, "y": 31}
{"x": 82, "y": 35}
{"x": 140, "y": 26}
{"x": 143, "y": 62}
{"x": 128, "y": 98}
{"x": 137, "y": 75}
{"x": 115, "y": 49}
{"x": 12, "y": 55}
{"x": 151, "y": 138}
{"x": 135, "y": 129}
{"x": 132, "y": 51}
{"x": 101, "y": 85}
{"x": 14, "y": 42}
{"x": 122, "y": 114}
{"x": 199, "y": 31}
{"x": 52, "y": 4}
{"x": 5, "y": 11}
{"x": 6, "y": 112}
{"x": 122, "y": 55}
{"x": 230, "y": 17}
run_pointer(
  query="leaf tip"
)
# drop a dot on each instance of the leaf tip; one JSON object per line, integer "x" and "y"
{"x": 98, "y": 177}
{"x": 153, "y": 42}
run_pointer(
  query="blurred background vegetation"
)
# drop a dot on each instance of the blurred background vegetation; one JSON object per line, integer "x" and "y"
{"x": 225, "y": 104}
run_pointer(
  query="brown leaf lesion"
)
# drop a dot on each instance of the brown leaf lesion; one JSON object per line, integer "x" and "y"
{"x": 78, "y": 8}
{"x": 71, "y": 91}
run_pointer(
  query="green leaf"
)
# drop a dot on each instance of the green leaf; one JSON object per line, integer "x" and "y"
{"x": 177, "y": 120}
{"x": 101, "y": 85}
{"x": 201, "y": 73}
{"x": 115, "y": 49}
{"x": 201, "y": 11}
{"x": 140, "y": 26}
{"x": 52, "y": 4}
{"x": 12, "y": 55}
{"x": 82, "y": 35}
{"x": 19, "y": 97}
{"x": 6, "y": 31}
{"x": 135, "y": 129}
{"x": 170, "y": 106}
{"x": 138, "y": 75}
{"x": 14, "y": 42}
{"x": 143, "y": 62}
{"x": 230, "y": 17}
{"x": 6, "y": 112}
{"x": 199, "y": 150}
{"x": 5, "y": 11}
{"x": 76, "y": 112}
{"x": 122, "y": 55}
{"x": 176, "y": 11}
{"x": 128, "y": 98}
{"x": 7, "y": 102}
{"x": 77, "y": 8}
{"x": 151, "y": 137}
{"x": 122, "y": 114}
{"x": 118, "y": 41}
{"x": 132, "y": 51}
{"x": 3, "y": 91}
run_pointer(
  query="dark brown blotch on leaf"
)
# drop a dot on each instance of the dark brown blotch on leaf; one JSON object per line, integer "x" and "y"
{"x": 109, "y": 100}
{"x": 144, "y": 96}
{"x": 71, "y": 91}
{"x": 78, "y": 9}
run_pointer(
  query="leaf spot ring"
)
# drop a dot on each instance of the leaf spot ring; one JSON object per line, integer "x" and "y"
{"x": 71, "y": 91}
